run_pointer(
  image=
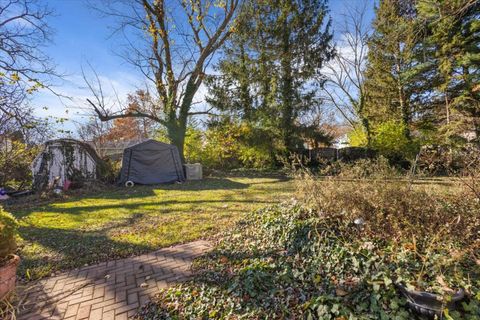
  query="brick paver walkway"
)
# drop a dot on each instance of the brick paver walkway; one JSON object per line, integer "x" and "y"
{"x": 109, "y": 290}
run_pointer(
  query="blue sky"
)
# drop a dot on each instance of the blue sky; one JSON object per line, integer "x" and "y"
{"x": 82, "y": 36}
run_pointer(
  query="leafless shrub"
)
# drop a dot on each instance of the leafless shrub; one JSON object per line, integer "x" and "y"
{"x": 470, "y": 174}
{"x": 392, "y": 210}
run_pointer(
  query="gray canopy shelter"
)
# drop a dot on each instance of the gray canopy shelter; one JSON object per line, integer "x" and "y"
{"x": 151, "y": 162}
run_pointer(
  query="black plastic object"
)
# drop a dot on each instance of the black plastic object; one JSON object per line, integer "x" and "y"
{"x": 21, "y": 193}
{"x": 429, "y": 304}
{"x": 151, "y": 162}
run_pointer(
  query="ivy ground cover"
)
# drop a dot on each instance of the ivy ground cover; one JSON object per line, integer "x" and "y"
{"x": 309, "y": 259}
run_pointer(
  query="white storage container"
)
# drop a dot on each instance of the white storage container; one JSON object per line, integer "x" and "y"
{"x": 193, "y": 171}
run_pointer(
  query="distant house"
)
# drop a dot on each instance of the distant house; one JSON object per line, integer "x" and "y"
{"x": 340, "y": 136}
{"x": 326, "y": 135}
{"x": 341, "y": 142}
{"x": 62, "y": 160}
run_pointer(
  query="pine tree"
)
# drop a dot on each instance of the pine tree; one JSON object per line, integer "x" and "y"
{"x": 274, "y": 57}
{"x": 390, "y": 80}
{"x": 454, "y": 36}
{"x": 423, "y": 67}
{"x": 231, "y": 90}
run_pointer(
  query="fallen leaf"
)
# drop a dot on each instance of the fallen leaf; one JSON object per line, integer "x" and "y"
{"x": 444, "y": 285}
{"x": 340, "y": 292}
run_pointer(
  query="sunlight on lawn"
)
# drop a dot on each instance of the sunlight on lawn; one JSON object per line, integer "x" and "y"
{"x": 121, "y": 222}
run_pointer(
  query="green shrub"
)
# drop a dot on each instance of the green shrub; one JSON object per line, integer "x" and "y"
{"x": 15, "y": 163}
{"x": 193, "y": 145}
{"x": 390, "y": 140}
{"x": 109, "y": 169}
{"x": 227, "y": 145}
{"x": 231, "y": 145}
{"x": 357, "y": 137}
{"x": 8, "y": 229}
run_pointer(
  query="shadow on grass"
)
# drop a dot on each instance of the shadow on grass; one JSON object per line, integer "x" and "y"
{"x": 73, "y": 248}
{"x": 205, "y": 184}
{"x": 67, "y": 247}
{"x": 161, "y": 206}
{"x": 193, "y": 185}
{"x": 22, "y": 209}
{"x": 63, "y": 249}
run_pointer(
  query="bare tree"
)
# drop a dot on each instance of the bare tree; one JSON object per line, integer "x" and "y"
{"x": 24, "y": 68}
{"x": 94, "y": 132}
{"x": 172, "y": 43}
{"x": 344, "y": 88}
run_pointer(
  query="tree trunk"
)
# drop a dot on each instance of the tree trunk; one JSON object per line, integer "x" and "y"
{"x": 404, "y": 108}
{"x": 405, "y": 114}
{"x": 360, "y": 108}
{"x": 244, "y": 87}
{"x": 287, "y": 89}
{"x": 177, "y": 137}
{"x": 447, "y": 108}
{"x": 366, "y": 127}
{"x": 476, "y": 124}
{"x": 264, "y": 82}
{"x": 177, "y": 126}
{"x": 175, "y": 133}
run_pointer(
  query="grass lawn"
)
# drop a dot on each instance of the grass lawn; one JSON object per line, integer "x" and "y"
{"x": 121, "y": 222}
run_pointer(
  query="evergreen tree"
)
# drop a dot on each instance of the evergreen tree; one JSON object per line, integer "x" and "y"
{"x": 423, "y": 67}
{"x": 231, "y": 90}
{"x": 275, "y": 54}
{"x": 391, "y": 59}
{"x": 454, "y": 38}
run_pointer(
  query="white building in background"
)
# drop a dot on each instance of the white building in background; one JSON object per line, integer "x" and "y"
{"x": 341, "y": 142}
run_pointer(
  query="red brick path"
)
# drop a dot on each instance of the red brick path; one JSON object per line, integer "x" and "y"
{"x": 109, "y": 290}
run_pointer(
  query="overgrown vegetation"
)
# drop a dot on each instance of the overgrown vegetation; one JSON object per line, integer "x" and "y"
{"x": 338, "y": 252}
{"x": 15, "y": 160}
{"x": 230, "y": 144}
{"x": 362, "y": 168}
{"x": 440, "y": 160}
